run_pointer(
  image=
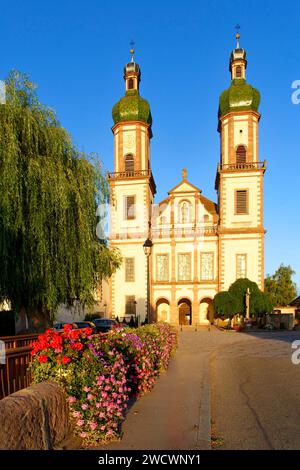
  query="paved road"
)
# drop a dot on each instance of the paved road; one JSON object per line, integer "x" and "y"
{"x": 244, "y": 384}
{"x": 256, "y": 393}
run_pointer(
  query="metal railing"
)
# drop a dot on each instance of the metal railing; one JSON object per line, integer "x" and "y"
{"x": 243, "y": 166}
{"x": 129, "y": 174}
{"x": 167, "y": 231}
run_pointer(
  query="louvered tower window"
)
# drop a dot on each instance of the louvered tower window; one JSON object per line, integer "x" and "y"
{"x": 241, "y": 154}
{"x": 241, "y": 201}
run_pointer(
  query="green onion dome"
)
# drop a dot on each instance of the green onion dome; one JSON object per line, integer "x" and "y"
{"x": 239, "y": 97}
{"x": 132, "y": 107}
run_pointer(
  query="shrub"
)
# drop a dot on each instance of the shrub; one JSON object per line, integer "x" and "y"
{"x": 99, "y": 372}
{"x": 146, "y": 351}
{"x": 93, "y": 375}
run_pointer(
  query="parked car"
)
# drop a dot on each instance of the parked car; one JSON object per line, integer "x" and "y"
{"x": 86, "y": 324}
{"x": 59, "y": 326}
{"x": 103, "y": 325}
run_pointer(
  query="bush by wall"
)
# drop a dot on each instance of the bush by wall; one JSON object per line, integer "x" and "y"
{"x": 100, "y": 372}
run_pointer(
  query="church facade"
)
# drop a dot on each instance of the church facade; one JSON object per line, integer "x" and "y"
{"x": 195, "y": 247}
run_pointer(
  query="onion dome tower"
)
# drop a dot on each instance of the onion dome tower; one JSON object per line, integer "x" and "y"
{"x": 132, "y": 107}
{"x": 239, "y": 179}
{"x": 240, "y": 95}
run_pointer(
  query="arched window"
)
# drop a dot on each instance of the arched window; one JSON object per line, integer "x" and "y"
{"x": 238, "y": 72}
{"x": 130, "y": 84}
{"x": 129, "y": 163}
{"x": 241, "y": 154}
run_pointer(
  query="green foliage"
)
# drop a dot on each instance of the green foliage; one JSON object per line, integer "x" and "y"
{"x": 225, "y": 304}
{"x": 239, "y": 96}
{"x": 132, "y": 107}
{"x": 280, "y": 286}
{"x": 259, "y": 302}
{"x": 233, "y": 301}
{"x": 49, "y": 250}
{"x": 238, "y": 290}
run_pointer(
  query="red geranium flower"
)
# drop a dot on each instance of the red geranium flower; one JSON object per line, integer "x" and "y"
{"x": 42, "y": 358}
{"x": 66, "y": 360}
{"x": 68, "y": 327}
{"x": 88, "y": 331}
{"x": 75, "y": 334}
{"x": 78, "y": 346}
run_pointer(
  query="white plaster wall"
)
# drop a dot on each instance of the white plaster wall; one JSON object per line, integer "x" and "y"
{"x": 240, "y": 124}
{"x": 251, "y": 182}
{"x": 232, "y": 247}
{"x": 138, "y": 287}
{"x": 119, "y": 225}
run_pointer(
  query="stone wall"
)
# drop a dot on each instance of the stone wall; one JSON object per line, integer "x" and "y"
{"x": 35, "y": 418}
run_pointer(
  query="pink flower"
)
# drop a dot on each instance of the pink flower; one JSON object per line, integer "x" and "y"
{"x": 77, "y": 414}
{"x": 93, "y": 426}
{"x": 80, "y": 422}
{"x": 72, "y": 399}
{"x": 83, "y": 435}
{"x": 87, "y": 389}
{"x": 84, "y": 406}
{"x": 90, "y": 396}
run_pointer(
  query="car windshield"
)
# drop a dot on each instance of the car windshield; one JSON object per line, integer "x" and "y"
{"x": 103, "y": 320}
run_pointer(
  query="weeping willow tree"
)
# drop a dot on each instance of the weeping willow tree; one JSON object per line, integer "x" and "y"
{"x": 49, "y": 192}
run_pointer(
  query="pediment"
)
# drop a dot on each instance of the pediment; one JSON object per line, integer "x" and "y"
{"x": 184, "y": 187}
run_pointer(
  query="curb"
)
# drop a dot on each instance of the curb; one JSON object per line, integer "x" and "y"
{"x": 203, "y": 439}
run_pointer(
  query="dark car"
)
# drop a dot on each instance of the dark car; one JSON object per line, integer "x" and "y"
{"x": 85, "y": 324}
{"x": 59, "y": 326}
{"x": 103, "y": 325}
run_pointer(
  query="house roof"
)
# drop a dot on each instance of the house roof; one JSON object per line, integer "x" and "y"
{"x": 296, "y": 302}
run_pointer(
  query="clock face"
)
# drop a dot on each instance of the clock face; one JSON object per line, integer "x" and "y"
{"x": 129, "y": 141}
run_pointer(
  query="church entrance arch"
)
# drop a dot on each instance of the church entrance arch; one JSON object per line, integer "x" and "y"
{"x": 163, "y": 310}
{"x": 185, "y": 312}
{"x": 207, "y": 310}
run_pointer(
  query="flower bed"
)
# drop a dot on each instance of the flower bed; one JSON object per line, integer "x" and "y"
{"x": 99, "y": 373}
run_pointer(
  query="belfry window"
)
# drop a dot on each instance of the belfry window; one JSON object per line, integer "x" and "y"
{"x": 130, "y": 84}
{"x": 238, "y": 72}
{"x": 129, "y": 163}
{"x": 241, "y": 154}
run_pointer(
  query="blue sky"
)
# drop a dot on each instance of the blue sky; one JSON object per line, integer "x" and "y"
{"x": 75, "y": 51}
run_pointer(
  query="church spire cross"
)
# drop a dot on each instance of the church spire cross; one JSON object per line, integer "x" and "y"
{"x": 184, "y": 172}
{"x": 132, "y": 50}
{"x": 237, "y": 36}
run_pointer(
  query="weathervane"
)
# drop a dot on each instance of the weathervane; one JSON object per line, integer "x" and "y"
{"x": 132, "y": 50}
{"x": 237, "y": 27}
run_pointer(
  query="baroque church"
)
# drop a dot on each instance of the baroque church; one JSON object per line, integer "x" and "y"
{"x": 178, "y": 253}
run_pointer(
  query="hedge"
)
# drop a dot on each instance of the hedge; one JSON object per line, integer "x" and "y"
{"x": 100, "y": 373}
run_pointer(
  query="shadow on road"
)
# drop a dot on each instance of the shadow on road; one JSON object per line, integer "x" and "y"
{"x": 286, "y": 336}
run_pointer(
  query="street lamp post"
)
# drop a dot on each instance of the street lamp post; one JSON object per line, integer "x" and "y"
{"x": 147, "y": 250}
{"x": 248, "y": 303}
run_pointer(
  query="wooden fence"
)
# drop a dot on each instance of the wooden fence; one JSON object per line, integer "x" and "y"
{"x": 14, "y": 374}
